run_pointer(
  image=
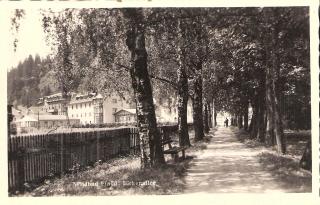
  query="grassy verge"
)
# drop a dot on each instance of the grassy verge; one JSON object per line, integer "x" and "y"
{"x": 285, "y": 167}
{"x": 287, "y": 170}
{"x": 123, "y": 176}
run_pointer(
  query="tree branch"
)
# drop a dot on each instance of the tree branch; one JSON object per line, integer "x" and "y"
{"x": 172, "y": 84}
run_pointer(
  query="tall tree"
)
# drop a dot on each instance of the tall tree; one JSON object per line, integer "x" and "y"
{"x": 149, "y": 136}
{"x": 98, "y": 32}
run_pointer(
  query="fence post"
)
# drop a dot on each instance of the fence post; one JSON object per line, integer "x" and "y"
{"x": 20, "y": 167}
{"x": 128, "y": 140}
{"x": 62, "y": 157}
{"x": 98, "y": 145}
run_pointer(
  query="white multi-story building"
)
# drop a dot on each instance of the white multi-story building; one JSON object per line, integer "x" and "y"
{"x": 87, "y": 108}
{"x": 94, "y": 109}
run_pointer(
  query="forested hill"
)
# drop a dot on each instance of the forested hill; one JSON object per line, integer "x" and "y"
{"x": 31, "y": 79}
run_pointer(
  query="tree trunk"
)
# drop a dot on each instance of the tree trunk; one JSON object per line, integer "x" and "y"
{"x": 279, "y": 135}
{"x": 234, "y": 120}
{"x": 246, "y": 115}
{"x": 253, "y": 123}
{"x": 240, "y": 121}
{"x": 197, "y": 79}
{"x": 206, "y": 116}
{"x": 197, "y": 104}
{"x": 273, "y": 69}
{"x": 261, "y": 134}
{"x": 214, "y": 114}
{"x": 269, "y": 108}
{"x": 215, "y": 118}
{"x": 209, "y": 115}
{"x": 151, "y": 150}
{"x": 261, "y": 124}
{"x": 306, "y": 159}
{"x": 182, "y": 95}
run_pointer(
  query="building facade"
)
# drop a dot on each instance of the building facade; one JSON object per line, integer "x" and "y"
{"x": 54, "y": 104}
{"x": 125, "y": 116}
{"x": 112, "y": 104}
{"x": 31, "y": 123}
{"x": 87, "y": 108}
{"x": 167, "y": 110}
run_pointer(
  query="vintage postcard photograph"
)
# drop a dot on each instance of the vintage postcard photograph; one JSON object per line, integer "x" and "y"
{"x": 125, "y": 100}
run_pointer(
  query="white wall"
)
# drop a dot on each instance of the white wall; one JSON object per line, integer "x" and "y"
{"x": 109, "y": 105}
{"x": 165, "y": 114}
{"x": 82, "y": 111}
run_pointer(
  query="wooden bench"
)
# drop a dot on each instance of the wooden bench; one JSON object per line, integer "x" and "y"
{"x": 173, "y": 150}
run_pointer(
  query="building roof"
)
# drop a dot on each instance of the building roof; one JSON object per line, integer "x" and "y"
{"x": 35, "y": 110}
{"x": 85, "y": 98}
{"x": 72, "y": 102}
{"x": 132, "y": 111}
{"x": 54, "y": 117}
{"x": 23, "y": 110}
{"x": 99, "y": 96}
{"x": 57, "y": 97}
{"x": 16, "y": 111}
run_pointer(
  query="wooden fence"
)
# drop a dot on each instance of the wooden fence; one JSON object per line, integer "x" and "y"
{"x": 34, "y": 158}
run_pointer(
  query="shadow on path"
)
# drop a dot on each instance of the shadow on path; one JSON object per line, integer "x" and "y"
{"x": 228, "y": 166}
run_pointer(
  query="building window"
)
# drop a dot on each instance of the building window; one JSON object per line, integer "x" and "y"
{"x": 85, "y": 114}
{"x": 72, "y": 115}
{"x": 81, "y": 115}
{"x": 77, "y": 106}
{"x": 85, "y": 105}
{"x": 72, "y": 107}
{"x": 114, "y": 110}
{"x": 114, "y": 100}
{"x": 80, "y": 105}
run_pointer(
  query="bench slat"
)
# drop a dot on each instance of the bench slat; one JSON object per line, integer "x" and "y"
{"x": 174, "y": 150}
{"x": 164, "y": 142}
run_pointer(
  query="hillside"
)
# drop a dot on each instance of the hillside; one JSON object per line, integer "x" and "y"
{"x": 30, "y": 80}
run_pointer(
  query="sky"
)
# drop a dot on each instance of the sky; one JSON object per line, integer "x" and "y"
{"x": 31, "y": 38}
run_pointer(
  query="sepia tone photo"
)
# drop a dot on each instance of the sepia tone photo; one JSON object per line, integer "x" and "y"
{"x": 159, "y": 101}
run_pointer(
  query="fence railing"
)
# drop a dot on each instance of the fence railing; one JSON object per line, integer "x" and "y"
{"x": 37, "y": 157}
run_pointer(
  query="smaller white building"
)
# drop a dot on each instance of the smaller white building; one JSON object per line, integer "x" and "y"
{"x": 31, "y": 123}
{"x": 26, "y": 121}
{"x": 112, "y": 104}
{"x": 125, "y": 116}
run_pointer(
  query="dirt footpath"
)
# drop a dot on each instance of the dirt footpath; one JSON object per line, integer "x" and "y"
{"x": 228, "y": 166}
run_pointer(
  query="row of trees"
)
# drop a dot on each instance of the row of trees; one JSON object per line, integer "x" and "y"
{"x": 223, "y": 59}
{"x": 270, "y": 70}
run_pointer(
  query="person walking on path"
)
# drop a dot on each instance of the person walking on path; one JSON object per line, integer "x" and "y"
{"x": 226, "y": 122}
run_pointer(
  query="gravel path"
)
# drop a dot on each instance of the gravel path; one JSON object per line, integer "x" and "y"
{"x": 228, "y": 166}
